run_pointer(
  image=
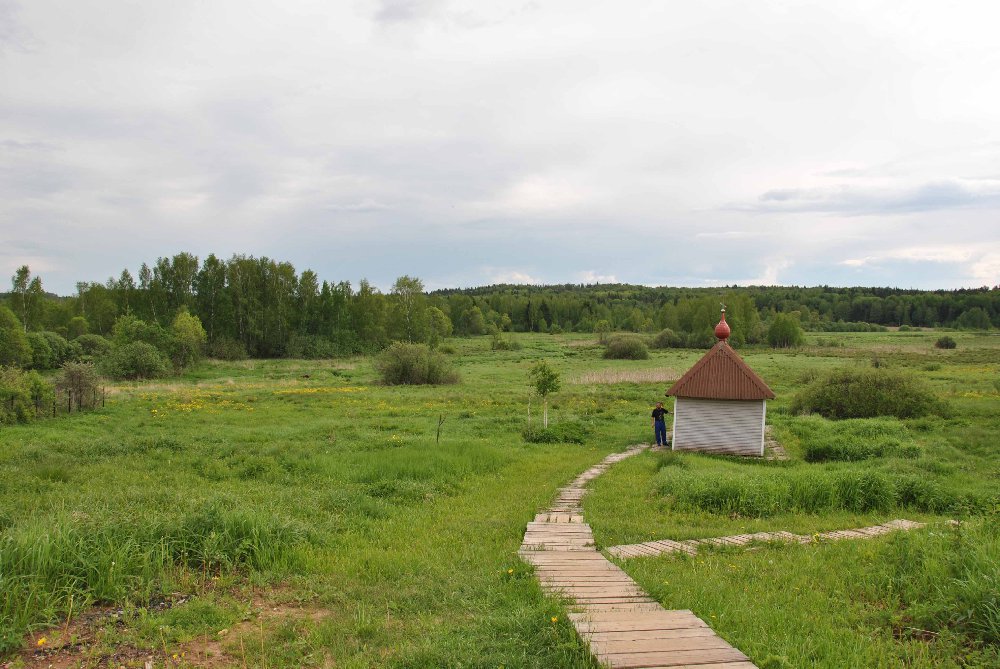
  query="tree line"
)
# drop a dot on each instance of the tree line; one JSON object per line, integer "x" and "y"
{"x": 261, "y": 307}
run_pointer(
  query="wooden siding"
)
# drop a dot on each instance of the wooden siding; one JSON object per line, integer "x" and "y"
{"x": 719, "y": 426}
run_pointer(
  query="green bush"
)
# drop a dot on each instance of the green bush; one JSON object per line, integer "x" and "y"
{"x": 137, "y": 360}
{"x": 80, "y": 381}
{"x": 567, "y": 432}
{"x": 667, "y": 338}
{"x": 312, "y": 347}
{"x": 92, "y": 345}
{"x": 626, "y": 347}
{"x": 23, "y": 395}
{"x": 413, "y": 364}
{"x": 227, "y": 348}
{"x": 49, "y": 350}
{"x": 867, "y": 393}
{"x": 945, "y": 342}
{"x": 14, "y": 346}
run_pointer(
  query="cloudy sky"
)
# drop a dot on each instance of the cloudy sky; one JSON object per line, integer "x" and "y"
{"x": 474, "y": 142}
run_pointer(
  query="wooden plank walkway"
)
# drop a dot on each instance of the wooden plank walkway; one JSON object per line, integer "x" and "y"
{"x": 623, "y": 625}
{"x": 690, "y": 546}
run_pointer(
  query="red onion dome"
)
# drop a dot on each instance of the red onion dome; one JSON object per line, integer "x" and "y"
{"x": 722, "y": 329}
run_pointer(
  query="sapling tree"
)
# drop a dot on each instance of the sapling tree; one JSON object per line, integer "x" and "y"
{"x": 546, "y": 380}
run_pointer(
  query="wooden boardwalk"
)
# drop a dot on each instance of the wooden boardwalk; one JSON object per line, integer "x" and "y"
{"x": 623, "y": 625}
{"x": 690, "y": 546}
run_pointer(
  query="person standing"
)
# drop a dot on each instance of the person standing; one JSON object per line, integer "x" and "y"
{"x": 660, "y": 424}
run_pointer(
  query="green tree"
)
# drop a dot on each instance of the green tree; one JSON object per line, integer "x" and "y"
{"x": 475, "y": 324}
{"x": 189, "y": 339}
{"x": 77, "y": 326}
{"x": 601, "y": 329}
{"x": 14, "y": 346}
{"x": 439, "y": 326}
{"x": 546, "y": 381}
{"x": 784, "y": 331}
{"x": 408, "y": 311}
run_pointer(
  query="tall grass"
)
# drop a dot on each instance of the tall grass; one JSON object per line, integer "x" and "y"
{"x": 762, "y": 492}
{"x": 50, "y": 564}
{"x": 853, "y": 439}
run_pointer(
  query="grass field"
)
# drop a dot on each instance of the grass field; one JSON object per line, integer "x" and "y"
{"x": 311, "y": 516}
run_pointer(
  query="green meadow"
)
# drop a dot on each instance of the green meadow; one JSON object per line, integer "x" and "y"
{"x": 285, "y": 513}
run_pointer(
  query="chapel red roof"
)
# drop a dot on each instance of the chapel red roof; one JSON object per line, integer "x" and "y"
{"x": 721, "y": 374}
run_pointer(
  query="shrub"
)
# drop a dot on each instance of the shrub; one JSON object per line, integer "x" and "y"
{"x": 568, "y": 432}
{"x": 668, "y": 339}
{"x": 23, "y": 395}
{"x": 867, "y": 393}
{"x": 137, "y": 360}
{"x": 41, "y": 353}
{"x": 499, "y": 342}
{"x": 413, "y": 364}
{"x": 92, "y": 345}
{"x": 945, "y": 342}
{"x": 80, "y": 380}
{"x": 227, "y": 348}
{"x": 626, "y": 347}
{"x": 311, "y": 347}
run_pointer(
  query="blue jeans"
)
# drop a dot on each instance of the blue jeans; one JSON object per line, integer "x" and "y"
{"x": 660, "y": 428}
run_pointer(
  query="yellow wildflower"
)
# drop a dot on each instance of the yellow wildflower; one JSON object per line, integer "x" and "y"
{"x": 41, "y": 642}
{"x": 555, "y": 619}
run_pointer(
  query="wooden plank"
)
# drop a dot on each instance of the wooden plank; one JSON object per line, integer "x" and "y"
{"x": 649, "y": 634}
{"x": 672, "y": 658}
{"x": 659, "y": 645}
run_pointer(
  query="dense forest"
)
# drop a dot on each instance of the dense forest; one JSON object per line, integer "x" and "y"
{"x": 264, "y": 308}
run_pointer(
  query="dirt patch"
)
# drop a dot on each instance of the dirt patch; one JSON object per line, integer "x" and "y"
{"x": 84, "y": 642}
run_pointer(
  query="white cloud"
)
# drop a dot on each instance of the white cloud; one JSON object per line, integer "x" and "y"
{"x": 591, "y": 276}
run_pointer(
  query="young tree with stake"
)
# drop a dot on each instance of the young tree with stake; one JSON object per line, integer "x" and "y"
{"x": 545, "y": 380}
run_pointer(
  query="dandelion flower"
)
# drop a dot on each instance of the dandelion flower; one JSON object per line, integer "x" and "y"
{"x": 510, "y": 571}
{"x": 41, "y": 642}
{"x": 555, "y": 619}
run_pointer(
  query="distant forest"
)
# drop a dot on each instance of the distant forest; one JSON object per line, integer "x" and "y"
{"x": 268, "y": 309}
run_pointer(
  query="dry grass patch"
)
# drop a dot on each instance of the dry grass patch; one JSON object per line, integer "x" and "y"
{"x": 612, "y": 376}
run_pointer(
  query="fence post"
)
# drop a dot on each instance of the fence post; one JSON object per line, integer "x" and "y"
{"x": 69, "y": 401}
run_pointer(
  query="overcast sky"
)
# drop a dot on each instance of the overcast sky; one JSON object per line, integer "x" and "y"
{"x": 664, "y": 143}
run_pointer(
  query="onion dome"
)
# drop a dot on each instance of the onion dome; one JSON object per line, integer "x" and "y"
{"x": 722, "y": 329}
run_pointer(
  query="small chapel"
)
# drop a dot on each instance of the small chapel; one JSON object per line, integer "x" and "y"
{"x": 720, "y": 403}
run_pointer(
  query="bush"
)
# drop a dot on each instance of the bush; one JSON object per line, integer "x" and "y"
{"x": 569, "y": 432}
{"x": 80, "y": 381}
{"x": 23, "y": 395}
{"x": 626, "y": 347}
{"x": 499, "y": 342}
{"x": 945, "y": 342}
{"x": 92, "y": 345}
{"x": 413, "y": 364}
{"x": 668, "y": 339}
{"x": 867, "y": 393}
{"x": 311, "y": 347}
{"x": 49, "y": 350}
{"x": 227, "y": 348}
{"x": 137, "y": 360}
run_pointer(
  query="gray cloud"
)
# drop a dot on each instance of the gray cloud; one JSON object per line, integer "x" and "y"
{"x": 855, "y": 201}
{"x": 463, "y": 140}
